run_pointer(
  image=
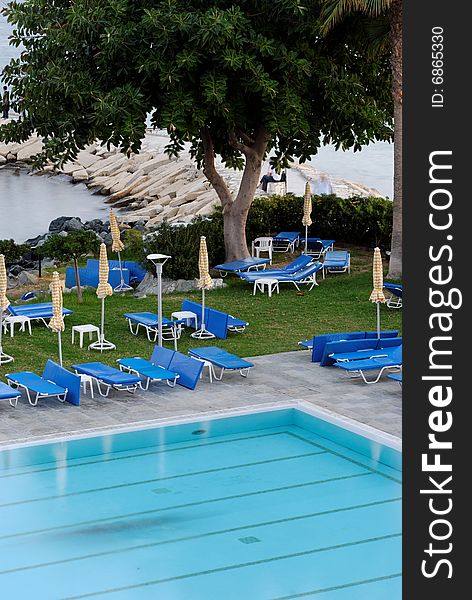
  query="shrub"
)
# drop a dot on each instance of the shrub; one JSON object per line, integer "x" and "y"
{"x": 13, "y": 252}
{"x": 182, "y": 243}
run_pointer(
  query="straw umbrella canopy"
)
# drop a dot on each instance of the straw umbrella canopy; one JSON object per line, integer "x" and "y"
{"x": 377, "y": 294}
{"x": 117, "y": 245}
{"x": 205, "y": 282}
{"x": 57, "y": 321}
{"x": 307, "y": 208}
{"x": 104, "y": 289}
{"x": 4, "y": 304}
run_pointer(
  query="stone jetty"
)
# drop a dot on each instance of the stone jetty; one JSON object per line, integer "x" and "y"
{"x": 150, "y": 187}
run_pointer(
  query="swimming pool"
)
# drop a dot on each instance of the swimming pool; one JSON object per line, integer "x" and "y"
{"x": 269, "y": 505}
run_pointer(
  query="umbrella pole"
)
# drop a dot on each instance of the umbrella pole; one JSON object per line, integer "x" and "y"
{"x": 59, "y": 340}
{"x": 203, "y": 310}
{"x": 4, "y": 358}
{"x": 378, "y": 320}
{"x": 306, "y": 239}
{"x": 102, "y": 344}
{"x": 122, "y": 287}
{"x": 202, "y": 333}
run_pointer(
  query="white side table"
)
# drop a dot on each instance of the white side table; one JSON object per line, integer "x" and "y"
{"x": 188, "y": 315}
{"x": 84, "y": 379}
{"x": 23, "y": 322}
{"x": 81, "y": 329}
{"x": 266, "y": 282}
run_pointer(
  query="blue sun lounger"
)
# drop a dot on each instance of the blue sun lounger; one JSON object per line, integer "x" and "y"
{"x": 216, "y": 322}
{"x": 188, "y": 368}
{"x": 285, "y": 241}
{"x": 148, "y": 370}
{"x": 306, "y": 275}
{"x": 336, "y": 261}
{"x": 298, "y": 264}
{"x": 396, "y": 294}
{"x": 41, "y": 312}
{"x": 216, "y": 357}
{"x": 319, "y": 341}
{"x": 55, "y": 382}
{"x": 8, "y": 393}
{"x": 316, "y": 247}
{"x": 171, "y": 330}
{"x": 109, "y": 378}
{"x": 358, "y": 349}
{"x": 238, "y": 266}
{"x": 360, "y": 367}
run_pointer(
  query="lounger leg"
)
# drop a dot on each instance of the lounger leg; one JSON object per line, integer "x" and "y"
{"x": 296, "y": 285}
{"x": 218, "y": 378}
{"x": 99, "y": 387}
{"x": 15, "y": 401}
{"x": 244, "y": 372}
{"x": 131, "y": 328}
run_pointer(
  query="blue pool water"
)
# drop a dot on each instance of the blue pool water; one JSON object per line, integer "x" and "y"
{"x": 274, "y": 505}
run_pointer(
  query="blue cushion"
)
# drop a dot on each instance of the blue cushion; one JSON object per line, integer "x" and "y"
{"x": 242, "y": 265}
{"x": 371, "y": 363}
{"x": 217, "y": 323}
{"x": 107, "y": 374}
{"x": 148, "y": 319}
{"x": 188, "y": 368}
{"x": 221, "y": 358}
{"x": 65, "y": 379}
{"x": 290, "y": 236}
{"x": 7, "y": 392}
{"x": 162, "y": 356}
{"x": 36, "y": 383}
{"x": 319, "y": 341}
{"x": 147, "y": 369}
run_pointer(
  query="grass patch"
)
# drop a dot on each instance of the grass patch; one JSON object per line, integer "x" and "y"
{"x": 339, "y": 303}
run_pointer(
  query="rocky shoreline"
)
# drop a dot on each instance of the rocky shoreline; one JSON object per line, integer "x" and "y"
{"x": 150, "y": 187}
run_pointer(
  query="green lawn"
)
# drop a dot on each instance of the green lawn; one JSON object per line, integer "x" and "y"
{"x": 340, "y": 303}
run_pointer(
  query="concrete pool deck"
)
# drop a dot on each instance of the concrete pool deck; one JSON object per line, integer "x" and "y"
{"x": 284, "y": 377}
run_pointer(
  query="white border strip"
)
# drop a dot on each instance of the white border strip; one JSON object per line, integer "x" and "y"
{"x": 352, "y": 425}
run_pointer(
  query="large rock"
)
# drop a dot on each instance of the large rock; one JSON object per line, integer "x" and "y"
{"x": 29, "y": 150}
{"x": 86, "y": 159}
{"x": 80, "y": 175}
{"x": 27, "y": 278}
{"x": 148, "y": 286}
{"x": 58, "y": 224}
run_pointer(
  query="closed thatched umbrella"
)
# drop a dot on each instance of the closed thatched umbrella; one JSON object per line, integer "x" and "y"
{"x": 118, "y": 246}
{"x": 205, "y": 282}
{"x": 103, "y": 290}
{"x": 377, "y": 294}
{"x": 4, "y": 304}
{"x": 307, "y": 208}
{"x": 57, "y": 321}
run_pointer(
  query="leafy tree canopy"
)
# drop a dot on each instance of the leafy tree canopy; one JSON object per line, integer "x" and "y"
{"x": 71, "y": 246}
{"x": 95, "y": 70}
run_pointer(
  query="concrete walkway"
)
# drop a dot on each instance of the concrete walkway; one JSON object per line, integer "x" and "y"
{"x": 289, "y": 376}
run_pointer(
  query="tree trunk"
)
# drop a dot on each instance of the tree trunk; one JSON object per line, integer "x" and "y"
{"x": 235, "y": 211}
{"x": 395, "y": 266}
{"x": 77, "y": 281}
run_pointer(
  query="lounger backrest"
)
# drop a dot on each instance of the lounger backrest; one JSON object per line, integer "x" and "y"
{"x": 307, "y": 271}
{"x": 188, "y": 368}
{"x": 299, "y": 263}
{"x": 383, "y": 334}
{"x": 397, "y": 355}
{"x": 345, "y": 346}
{"x": 320, "y": 341}
{"x": 57, "y": 374}
{"x": 217, "y": 323}
{"x": 389, "y": 342}
{"x": 162, "y": 356}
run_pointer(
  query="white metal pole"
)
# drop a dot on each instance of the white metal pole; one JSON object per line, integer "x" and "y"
{"x": 378, "y": 320}
{"x": 159, "y": 303}
{"x": 102, "y": 334}
{"x": 121, "y": 269}
{"x": 203, "y": 310}
{"x": 59, "y": 340}
{"x": 306, "y": 239}
{"x": 1, "y": 332}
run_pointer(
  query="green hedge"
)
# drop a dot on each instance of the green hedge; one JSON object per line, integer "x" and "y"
{"x": 360, "y": 221}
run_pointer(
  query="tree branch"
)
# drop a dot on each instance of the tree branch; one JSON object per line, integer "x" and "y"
{"x": 219, "y": 184}
{"x": 237, "y": 145}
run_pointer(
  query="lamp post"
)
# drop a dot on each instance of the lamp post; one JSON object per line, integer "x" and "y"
{"x": 158, "y": 260}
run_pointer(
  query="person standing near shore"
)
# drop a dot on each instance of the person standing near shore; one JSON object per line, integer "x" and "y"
{"x": 5, "y": 102}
